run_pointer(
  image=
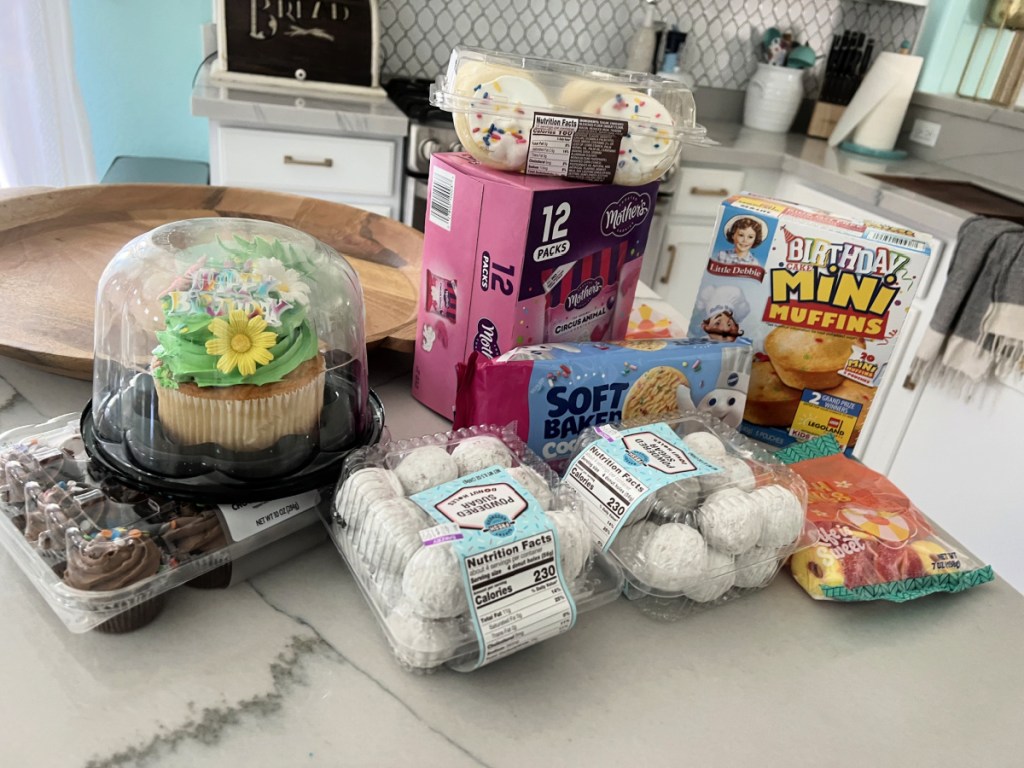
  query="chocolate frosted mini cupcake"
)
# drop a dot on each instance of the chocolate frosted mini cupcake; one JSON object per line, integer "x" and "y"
{"x": 197, "y": 533}
{"x": 111, "y": 562}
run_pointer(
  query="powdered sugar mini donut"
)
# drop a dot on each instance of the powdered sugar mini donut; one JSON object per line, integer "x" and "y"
{"x": 433, "y": 583}
{"x": 756, "y": 567}
{"x": 629, "y": 543}
{"x": 718, "y": 578}
{"x": 534, "y": 483}
{"x": 390, "y": 535}
{"x": 421, "y": 643}
{"x": 495, "y": 127}
{"x": 706, "y": 445}
{"x": 735, "y": 473}
{"x": 730, "y": 521}
{"x": 476, "y": 453}
{"x": 573, "y": 541}
{"x": 782, "y": 513}
{"x": 425, "y": 468}
{"x": 673, "y": 557}
{"x": 676, "y": 499}
{"x": 362, "y": 488}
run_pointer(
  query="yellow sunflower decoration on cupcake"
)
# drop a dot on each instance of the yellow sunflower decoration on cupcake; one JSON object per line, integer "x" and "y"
{"x": 240, "y": 342}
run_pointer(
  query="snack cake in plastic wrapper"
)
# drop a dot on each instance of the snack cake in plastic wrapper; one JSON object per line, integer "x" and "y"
{"x": 694, "y": 513}
{"x": 866, "y": 540}
{"x": 466, "y": 547}
{"x": 822, "y": 298}
{"x": 554, "y": 391}
{"x": 104, "y": 555}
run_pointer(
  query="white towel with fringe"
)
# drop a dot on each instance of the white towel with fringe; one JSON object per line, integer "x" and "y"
{"x": 977, "y": 330}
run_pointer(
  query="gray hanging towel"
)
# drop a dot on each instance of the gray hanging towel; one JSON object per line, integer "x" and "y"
{"x": 978, "y": 326}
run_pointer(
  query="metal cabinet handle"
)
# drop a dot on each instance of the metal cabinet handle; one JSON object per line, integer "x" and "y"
{"x": 709, "y": 192}
{"x": 671, "y": 263}
{"x": 327, "y": 162}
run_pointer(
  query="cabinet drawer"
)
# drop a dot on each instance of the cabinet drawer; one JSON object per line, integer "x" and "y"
{"x": 306, "y": 162}
{"x": 702, "y": 190}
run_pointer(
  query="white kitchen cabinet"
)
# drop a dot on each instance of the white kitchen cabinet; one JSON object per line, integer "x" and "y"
{"x": 685, "y": 250}
{"x": 359, "y": 171}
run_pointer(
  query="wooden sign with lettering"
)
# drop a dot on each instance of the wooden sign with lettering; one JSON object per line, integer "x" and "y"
{"x": 308, "y": 44}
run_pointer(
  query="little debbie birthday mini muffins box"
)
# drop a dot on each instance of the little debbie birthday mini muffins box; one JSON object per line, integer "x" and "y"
{"x": 822, "y": 299}
{"x": 512, "y": 260}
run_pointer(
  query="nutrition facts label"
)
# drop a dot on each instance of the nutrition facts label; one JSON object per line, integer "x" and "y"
{"x": 510, "y": 566}
{"x": 614, "y": 474}
{"x": 517, "y": 596}
{"x": 577, "y": 148}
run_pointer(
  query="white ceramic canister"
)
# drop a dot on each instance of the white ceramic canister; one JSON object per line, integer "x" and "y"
{"x": 773, "y": 98}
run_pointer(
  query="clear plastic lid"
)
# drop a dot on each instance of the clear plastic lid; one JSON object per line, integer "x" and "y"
{"x": 414, "y": 518}
{"x": 229, "y": 353}
{"x": 102, "y": 554}
{"x": 630, "y": 123}
{"x": 694, "y": 513}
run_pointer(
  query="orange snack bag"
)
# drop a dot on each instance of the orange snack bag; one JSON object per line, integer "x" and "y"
{"x": 865, "y": 540}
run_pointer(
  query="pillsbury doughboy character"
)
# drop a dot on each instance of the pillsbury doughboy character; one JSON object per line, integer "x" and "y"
{"x": 729, "y": 397}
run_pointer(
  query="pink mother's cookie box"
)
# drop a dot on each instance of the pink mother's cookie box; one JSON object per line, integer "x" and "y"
{"x": 511, "y": 260}
{"x": 823, "y": 299}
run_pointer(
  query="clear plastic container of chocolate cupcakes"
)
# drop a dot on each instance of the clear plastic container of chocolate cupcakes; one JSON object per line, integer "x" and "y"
{"x": 466, "y": 547}
{"x": 105, "y": 555}
{"x": 694, "y": 513}
{"x": 230, "y": 362}
{"x": 556, "y": 118}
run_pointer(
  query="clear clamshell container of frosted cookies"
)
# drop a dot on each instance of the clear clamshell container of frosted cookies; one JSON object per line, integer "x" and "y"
{"x": 555, "y": 118}
{"x": 104, "y": 555}
{"x": 466, "y": 547}
{"x": 694, "y": 513}
{"x": 230, "y": 362}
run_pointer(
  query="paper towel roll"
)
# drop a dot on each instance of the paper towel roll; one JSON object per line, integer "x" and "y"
{"x": 876, "y": 112}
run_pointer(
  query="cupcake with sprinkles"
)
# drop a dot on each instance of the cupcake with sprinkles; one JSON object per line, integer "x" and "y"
{"x": 238, "y": 362}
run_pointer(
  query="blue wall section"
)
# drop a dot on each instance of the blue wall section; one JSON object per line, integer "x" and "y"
{"x": 135, "y": 62}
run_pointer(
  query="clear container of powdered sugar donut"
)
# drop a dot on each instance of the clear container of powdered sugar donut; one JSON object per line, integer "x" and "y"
{"x": 694, "y": 513}
{"x": 556, "y": 118}
{"x": 466, "y": 547}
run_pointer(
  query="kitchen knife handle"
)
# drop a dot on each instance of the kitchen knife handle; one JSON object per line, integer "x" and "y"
{"x": 327, "y": 162}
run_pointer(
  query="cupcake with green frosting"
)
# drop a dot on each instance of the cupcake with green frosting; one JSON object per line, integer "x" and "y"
{"x": 239, "y": 363}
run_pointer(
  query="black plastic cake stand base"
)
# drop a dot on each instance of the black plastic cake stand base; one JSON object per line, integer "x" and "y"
{"x": 203, "y": 480}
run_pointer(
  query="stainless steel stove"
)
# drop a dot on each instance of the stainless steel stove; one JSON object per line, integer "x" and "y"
{"x": 430, "y": 130}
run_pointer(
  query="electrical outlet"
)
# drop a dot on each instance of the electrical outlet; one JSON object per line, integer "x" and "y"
{"x": 925, "y": 132}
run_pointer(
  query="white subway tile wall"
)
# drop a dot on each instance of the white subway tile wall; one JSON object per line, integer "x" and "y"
{"x": 721, "y": 49}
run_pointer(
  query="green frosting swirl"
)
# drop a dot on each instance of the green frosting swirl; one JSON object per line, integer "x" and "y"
{"x": 182, "y": 348}
{"x": 184, "y": 352}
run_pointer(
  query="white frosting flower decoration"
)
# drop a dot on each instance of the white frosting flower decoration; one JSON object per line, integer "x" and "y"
{"x": 287, "y": 283}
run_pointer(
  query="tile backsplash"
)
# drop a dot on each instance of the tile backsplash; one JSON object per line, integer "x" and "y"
{"x": 721, "y": 48}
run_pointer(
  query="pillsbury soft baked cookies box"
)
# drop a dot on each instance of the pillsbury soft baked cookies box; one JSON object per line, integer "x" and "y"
{"x": 512, "y": 260}
{"x": 823, "y": 300}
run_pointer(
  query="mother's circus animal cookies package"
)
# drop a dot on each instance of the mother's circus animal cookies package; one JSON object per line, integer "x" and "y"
{"x": 554, "y": 392}
{"x": 510, "y": 260}
{"x": 823, "y": 300}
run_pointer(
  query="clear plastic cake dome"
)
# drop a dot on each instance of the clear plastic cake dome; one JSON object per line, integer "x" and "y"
{"x": 230, "y": 361}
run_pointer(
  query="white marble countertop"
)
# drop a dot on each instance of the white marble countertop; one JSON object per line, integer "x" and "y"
{"x": 285, "y": 109}
{"x": 842, "y": 173}
{"x": 289, "y": 668}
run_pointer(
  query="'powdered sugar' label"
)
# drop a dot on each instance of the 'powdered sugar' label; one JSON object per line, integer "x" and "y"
{"x": 614, "y": 475}
{"x": 510, "y": 560}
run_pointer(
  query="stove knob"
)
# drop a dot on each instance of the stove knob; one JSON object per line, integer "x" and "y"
{"x": 455, "y": 147}
{"x": 429, "y": 147}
